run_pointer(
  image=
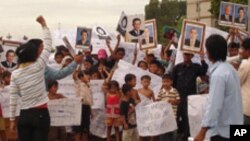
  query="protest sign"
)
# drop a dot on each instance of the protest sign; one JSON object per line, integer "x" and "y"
{"x": 97, "y": 94}
{"x": 65, "y": 112}
{"x": 68, "y": 45}
{"x": 122, "y": 24}
{"x": 5, "y": 102}
{"x": 66, "y": 87}
{"x": 155, "y": 119}
{"x": 125, "y": 68}
{"x": 196, "y": 58}
{"x": 97, "y": 124}
{"x": 196, "y": 110}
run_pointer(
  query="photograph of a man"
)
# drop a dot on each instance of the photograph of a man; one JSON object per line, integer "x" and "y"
{"x": 136, "y": 31}
{"x": 226, "y": 13}
{"x": 192, "y": 40}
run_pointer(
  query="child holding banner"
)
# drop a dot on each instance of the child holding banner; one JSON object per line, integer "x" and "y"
{"x": 127, "y": 107}
{"x": 83, "y": 91}
{"x": 113, "y": 118}
{"x": 130, "y": 79}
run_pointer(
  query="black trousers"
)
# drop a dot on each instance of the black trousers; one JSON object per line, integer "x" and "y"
{"x": 218, "y": 138}
{"x": 182, "y": 119}
{"x": 34, "y": 124}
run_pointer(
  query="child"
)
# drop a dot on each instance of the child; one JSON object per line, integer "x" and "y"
{"x": 127, "y": 107}
{"x": 143, "y": 65}
{"x": 154, "y": 67}
{"x": 55, "y": 133}
{"x": 113, "y": 97}
{"x": 170, "y": 95}
{"x": 145, "y": 93}
{"x": 83, "y": 91}
{"x": 130, "y": 79}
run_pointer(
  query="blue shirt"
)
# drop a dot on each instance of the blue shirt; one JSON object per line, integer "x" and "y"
{"x": 53, "y": 74}
{"x": 224, "y": 102}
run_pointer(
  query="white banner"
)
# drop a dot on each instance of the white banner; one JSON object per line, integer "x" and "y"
{"x": 65, "y": 112}
{"x": 125, "y": 68}
{"x": 155, "y": 119}
{"x": 66, "y": 87}
{"x": 196, "y": 110}
{"x": 97, "y": 94}
{"x": 97, "y": 124}
{"x": 5, "y": 102}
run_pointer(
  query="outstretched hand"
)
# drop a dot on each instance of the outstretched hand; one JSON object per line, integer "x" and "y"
{"x": 41, "y": 21}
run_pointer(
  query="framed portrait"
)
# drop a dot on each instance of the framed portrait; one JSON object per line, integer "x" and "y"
{"x": 241, "y": 16}
{"x": 226, "y": 15}
{"x": 135, "y": 28}
{"x": 193, "y": 34}
{"x": 83, "y": 38}
{"x": 149, "y": 39}
{"x": 122, "y": 24}
{"x": 8, "y": 59}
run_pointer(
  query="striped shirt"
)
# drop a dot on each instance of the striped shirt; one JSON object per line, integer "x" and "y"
{"x": 169, "y": 95}
{"x": 28, "y": 82}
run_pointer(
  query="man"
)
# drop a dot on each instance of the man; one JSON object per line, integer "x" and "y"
{"x": 227, "y": 14}
{"x": 244, "y": 73}
{"x": 136, "y": 28}
{"x": 84, "y": 38}
{"x": 224, "y": 94}
{"x": 241, "y": 16}
{"x": 9, "y": 64}
{"x": 184, "y": 80}
{"x": 192, "y": 40}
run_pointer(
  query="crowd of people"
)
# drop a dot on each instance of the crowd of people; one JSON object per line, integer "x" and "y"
{"x": 35, "y": 83}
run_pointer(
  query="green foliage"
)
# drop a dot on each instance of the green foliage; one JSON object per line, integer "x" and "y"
{"x": 166, "y": 12}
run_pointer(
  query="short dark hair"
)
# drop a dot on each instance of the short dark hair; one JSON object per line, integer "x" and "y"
{"x": 241, "y": 8}
{"x": 84, "y": 30}
{"x": 126, "y": 88}
{"x": 37, "y": 42}
{"x": 89, "y": 59}
{"x": 216, "y": 46}
{"x": 246, "y": 43}
{"x": 113, "y": 83}
{"x": 129, "y": 77}
{"x": 52, "y": 83}
{"x": 167, "y": 76}
{"x": 61, "y": 48}
{"x": 136, "y": 19}
{"x": 6, "y": 74}
{"x": 146, "y": 77}
{"x": 140, "y": 62}
{"x": 10, "y": 51}
{"x": 83, "y": 73}
{"x": 27, "y": 52}
{"x": 234, "y": 45}
{"x": 120, "y": 50}
{"x": 156, "y": 62}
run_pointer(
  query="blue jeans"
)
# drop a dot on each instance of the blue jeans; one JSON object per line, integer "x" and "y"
{"x": 34, "y": 124}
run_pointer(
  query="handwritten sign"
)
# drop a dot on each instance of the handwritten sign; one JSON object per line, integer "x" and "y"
{"x": 5, "y": 102}
{"x": 97, "y": 94}
{"x": 196, "y": 110}
{"x": 125, "y": 68}
{"x": 67, "y": 87}
{"x": 97, "y": 124}
{"x": 155, "y": 119}
{"x": 65, "y": 112}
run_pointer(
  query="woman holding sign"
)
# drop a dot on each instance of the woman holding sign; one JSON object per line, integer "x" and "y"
{"x": 28, "y": 84}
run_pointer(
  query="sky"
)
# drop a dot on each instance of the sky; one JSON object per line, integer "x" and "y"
{"x": 18, "y": 16}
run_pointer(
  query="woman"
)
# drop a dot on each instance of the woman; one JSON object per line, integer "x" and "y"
{"x": 27, "y": 83}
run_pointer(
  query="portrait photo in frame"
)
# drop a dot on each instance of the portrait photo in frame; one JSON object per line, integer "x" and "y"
{"x": 83, "y": 38}
{"x": 149, "y": 39}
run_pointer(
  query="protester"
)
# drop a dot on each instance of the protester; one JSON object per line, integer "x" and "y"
{"x": 130, "y": 79}
{"x": 28, "y": 84}
{"x": 145, "y": 93}
{"x": 224, "y": 94}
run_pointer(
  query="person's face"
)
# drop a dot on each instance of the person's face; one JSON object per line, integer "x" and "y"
{"x": 137, "y": 25}
{"x": 132, "y": 83}
{"x": 6, "y": 80}
{"x": 87, "y": 65}
{"x": 143, "y": 66}
{"x": 153, "y": 68}
{"x": 53, "y": 89}
{"x": 59, "y": 59}
{"x": 10, "y": 57}
{"x": 244, "y": 54}
{"x": 84, "y": 36}
{"x": 187, "y": 57}
{"x": 241, "y": 13}
{"x": 145, "y": 83}
{"x": 95, "y": 76}
{"x": 233, "y": 52}
{"x": 167, "y": 83}
{"x": 228, "y": 10}
{"x": 85, "y": 78}
{"x": 193, "y": 34}
{"x": 113, "y": 89}
{"x": 150, "y": 58}
{"x": 119, "y": 55}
